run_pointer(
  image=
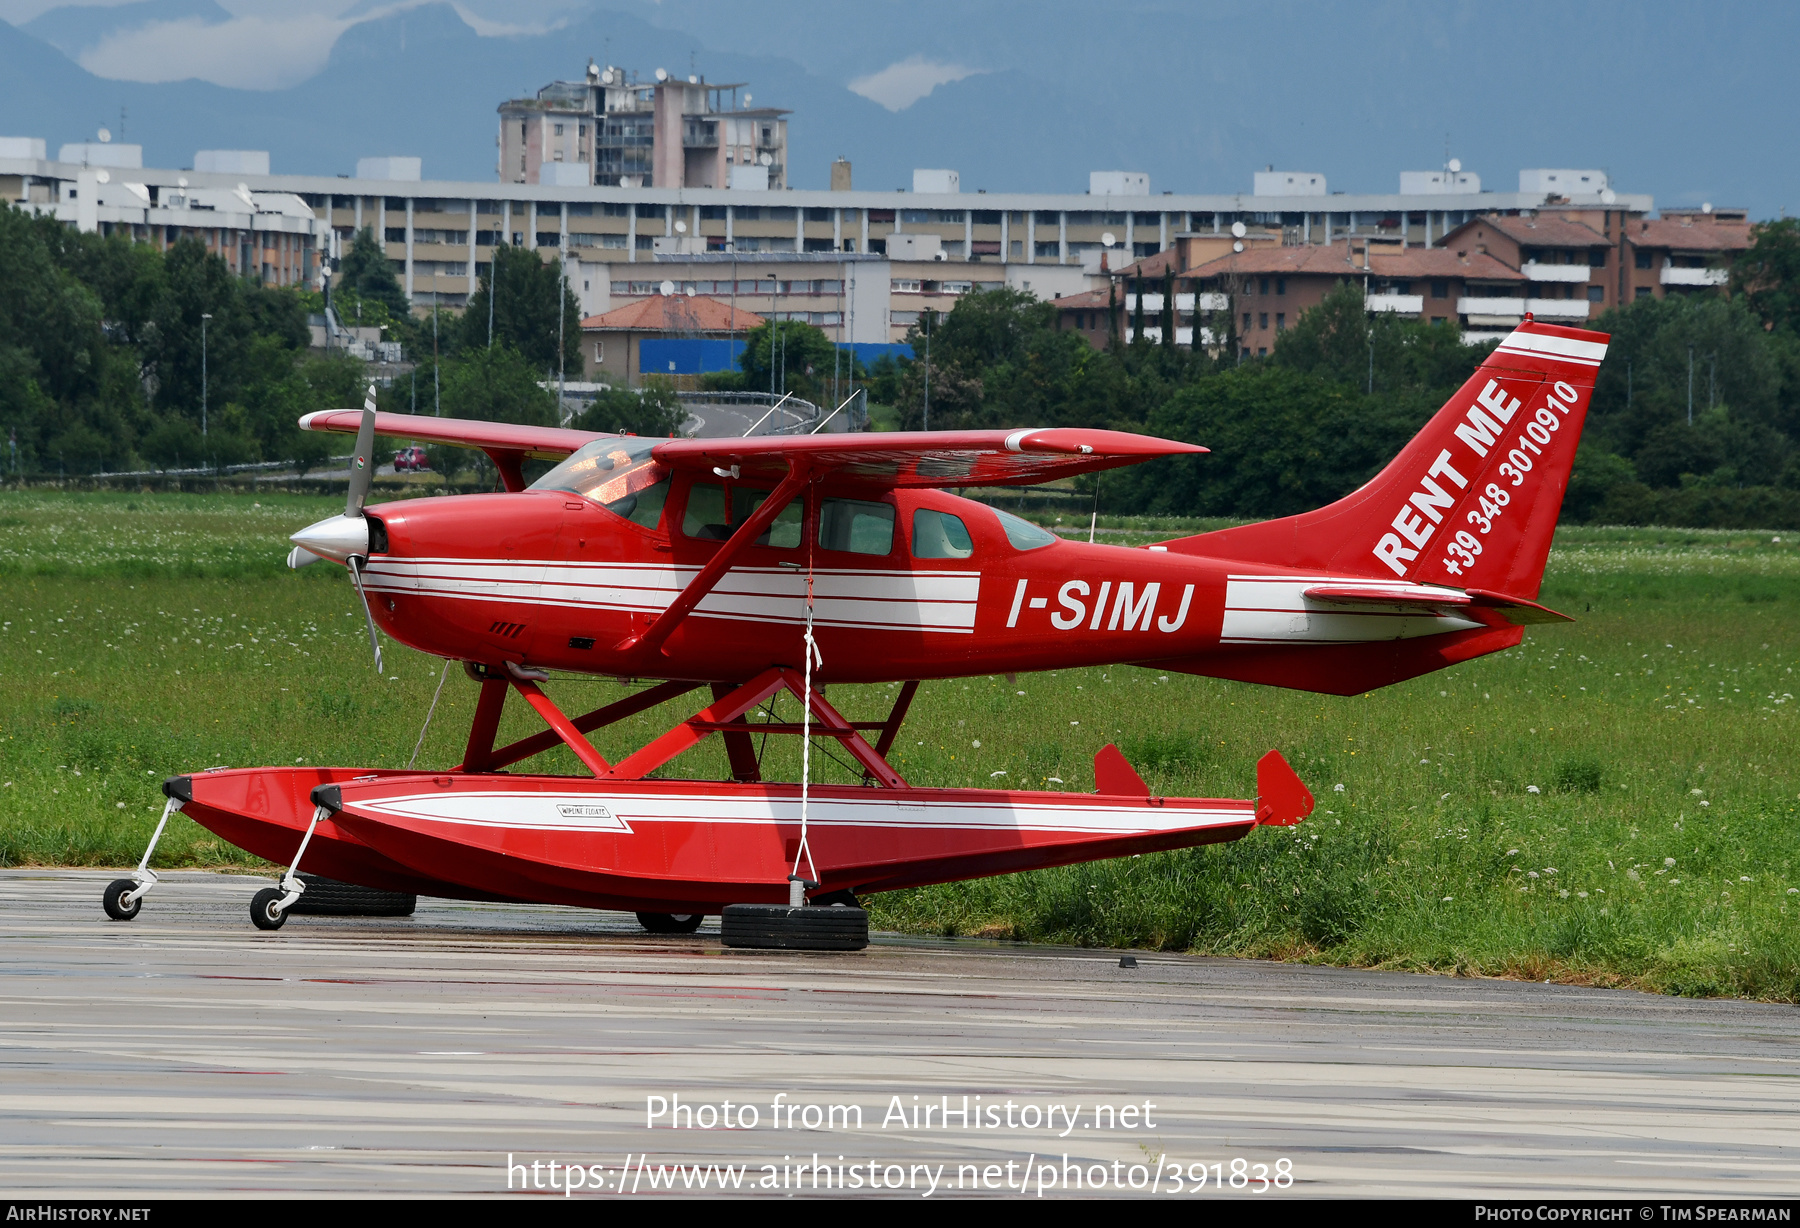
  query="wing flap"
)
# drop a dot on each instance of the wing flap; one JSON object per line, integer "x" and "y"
{"x": 926, "y": 458}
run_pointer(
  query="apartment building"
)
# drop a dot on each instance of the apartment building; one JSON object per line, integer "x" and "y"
{"x": 1682, "y": 251}
{"x": 934, "y": 247}
{"x": 613, "y": 130}
{"x": 274, "y": 237}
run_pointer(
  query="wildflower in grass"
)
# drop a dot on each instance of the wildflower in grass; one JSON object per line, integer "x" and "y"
{"x": 1531, "y": 788}
{"x": 976, "y": 744}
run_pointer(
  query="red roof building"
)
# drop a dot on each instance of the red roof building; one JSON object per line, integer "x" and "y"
{"x": 610, "y": 342}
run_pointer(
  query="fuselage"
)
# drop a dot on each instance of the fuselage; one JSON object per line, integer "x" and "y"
{"x": 906, "y": 584}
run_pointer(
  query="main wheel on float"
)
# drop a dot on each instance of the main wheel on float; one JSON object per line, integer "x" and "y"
{"x": 670, "y": 923}
{"x": 114, "y": 903}
{"x": 784, "y": 927}
{"x": 326, "y": 897}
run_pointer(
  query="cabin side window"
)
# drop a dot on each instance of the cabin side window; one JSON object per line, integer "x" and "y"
{"x": 939, "y": 535}
{"x": 856, "y": 526}
{"x": 706, "y": 517}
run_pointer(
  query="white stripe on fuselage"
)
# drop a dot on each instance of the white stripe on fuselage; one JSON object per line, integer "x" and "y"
{"x": 942, "y": 601}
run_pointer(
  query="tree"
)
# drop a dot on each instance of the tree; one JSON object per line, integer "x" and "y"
{"x": 366, "y": 273}
{"x": 1767, "y": 275}
{"x": 1742, "y": 378}
{"x": 799, "y": 355}
{"x": 652, "y": 410}
{"x": 525, "y": 312}
{"x": 497, "y": 385}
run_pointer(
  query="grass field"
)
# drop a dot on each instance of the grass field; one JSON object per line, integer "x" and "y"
{"x": 1613, "y": 802}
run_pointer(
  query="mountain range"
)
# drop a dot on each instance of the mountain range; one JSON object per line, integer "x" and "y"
{"x": 1687, "y": 103}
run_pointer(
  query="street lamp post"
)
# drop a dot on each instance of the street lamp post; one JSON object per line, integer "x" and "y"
{"x": 203, "y": 319}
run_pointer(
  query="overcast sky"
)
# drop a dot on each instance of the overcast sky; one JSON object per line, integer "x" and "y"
{"x": 1689, "y": 102}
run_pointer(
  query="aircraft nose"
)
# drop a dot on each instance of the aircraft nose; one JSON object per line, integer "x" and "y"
{"x": 337, "y": 538}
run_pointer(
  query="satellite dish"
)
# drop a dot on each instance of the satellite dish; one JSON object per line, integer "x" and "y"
{"x": 680, "y": 228}
{"x": 102, "y": 177}
{"x": 1608, "y": 197}
{"x": 606, "y": 78}
{"x": 667, "y": 288}
{"x": 105, "y": 135}
{"x": 1705, "y": 207}
{"x": 766, "y": 160}
{"x": 746, "y": 100}
{"x": 662, "y": 74}
{"x": 1238, "y": 231}
{"x": 1238, "y": 246}
{"x": 181, "y": 182}
{"x": 1108, "y": 239}
{"x": 1454, "y": 165}
{"x": 693, "y": 80}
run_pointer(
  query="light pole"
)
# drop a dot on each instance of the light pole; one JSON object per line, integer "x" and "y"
{"x": 926, "y": 425}
{"x": 774, "y": 321}
{"x": 203, "y": 319}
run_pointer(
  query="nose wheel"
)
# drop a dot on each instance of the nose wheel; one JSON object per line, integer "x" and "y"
{"x": 670, "y": 923}
{"x": 266, "y": 912}
{"x": 122, "y": 900}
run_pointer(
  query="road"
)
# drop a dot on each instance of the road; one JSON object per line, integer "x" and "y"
{"x": 187, "y": 1053}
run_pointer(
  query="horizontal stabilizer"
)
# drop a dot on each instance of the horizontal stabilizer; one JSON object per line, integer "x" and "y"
{"x": 1420, "y": 598}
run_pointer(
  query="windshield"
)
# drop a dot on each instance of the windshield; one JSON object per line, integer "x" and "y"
{"x": 618, "y": 474}
{"x": 1022, "y": 533}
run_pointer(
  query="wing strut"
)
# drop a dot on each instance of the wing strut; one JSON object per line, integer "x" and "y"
{"x": 657, "y": 632}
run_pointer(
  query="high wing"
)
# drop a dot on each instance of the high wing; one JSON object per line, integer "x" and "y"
{"x": 537, "y": 442}
{"x": 888, "y": 459}
{"x": 925, "y": 458}
{"x": 506, "y": 443}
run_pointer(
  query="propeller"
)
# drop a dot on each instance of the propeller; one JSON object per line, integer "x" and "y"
{"x": 346, "y": 537}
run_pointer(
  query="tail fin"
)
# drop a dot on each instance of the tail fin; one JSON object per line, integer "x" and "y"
{"x": 1472, "y": 501}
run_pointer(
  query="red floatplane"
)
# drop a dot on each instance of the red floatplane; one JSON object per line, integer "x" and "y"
{"x": 755, "y": 566}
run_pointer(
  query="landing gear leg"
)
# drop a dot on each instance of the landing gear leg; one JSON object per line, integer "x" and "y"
{"x": 125, "y": 896}
{"x": 269, "y": 907}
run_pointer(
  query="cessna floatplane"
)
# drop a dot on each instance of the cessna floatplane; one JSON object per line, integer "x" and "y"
{"x": 743, "y": 568}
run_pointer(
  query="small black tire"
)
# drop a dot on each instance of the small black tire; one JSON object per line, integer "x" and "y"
{"x": 782, "y": 927}
{"x": 670, "y": 923}
{"x": 114, "y": 899}
{"x": 263, "y": 913}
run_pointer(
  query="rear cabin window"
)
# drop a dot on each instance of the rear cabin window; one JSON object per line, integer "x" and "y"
{"x": 706, "y": 518}
{"x": 939, "y": 535}
{"x": 856, "y": 527}
{"x": 618, "y": 474}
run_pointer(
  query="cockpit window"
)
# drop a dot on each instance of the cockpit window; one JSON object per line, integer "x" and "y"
{"x": 1022, "y": 533}
{"x": 618, "y": 474}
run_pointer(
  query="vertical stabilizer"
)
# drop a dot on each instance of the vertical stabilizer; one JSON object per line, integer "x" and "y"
{"x": 1472, "y": 501}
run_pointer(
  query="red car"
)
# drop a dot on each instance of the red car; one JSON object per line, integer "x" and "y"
{"x": 411, "y": 460}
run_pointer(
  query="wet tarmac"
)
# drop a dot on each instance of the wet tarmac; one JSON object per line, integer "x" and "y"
{"x": 187, "y": 1053}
